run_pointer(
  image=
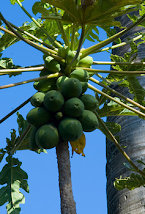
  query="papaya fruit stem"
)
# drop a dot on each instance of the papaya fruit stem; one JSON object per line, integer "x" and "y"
{"x": 68, "y": 204}
{"x": 17, "y": 70}
{"x": 117, "y": 101}
{"x": 118, "y": 94}
{"x": 103, "y": 78}
{"x": 50, "y": 39}
{"x": 73, "y": 38}
{"x": 60, "y": 26}
{"x": 118, "y": 145}
{"x": 31, "y": 80}
{"x": 15, "y": 110}
{"x": 20, "y": 140}
{"x": 121, "y": 44}
{"x": 97, "y": 47}
{"x": 117, "y": 63}
{"x": 112, "y": 71}
{"x": 68, "y": 67}
{"x": 7, "y": 31}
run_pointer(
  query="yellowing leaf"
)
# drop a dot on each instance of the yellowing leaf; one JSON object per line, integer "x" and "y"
{"x": 79, "y": 145}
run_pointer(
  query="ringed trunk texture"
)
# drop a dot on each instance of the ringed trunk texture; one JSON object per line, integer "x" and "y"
{"x": 68, "y": 205}
{"x": 132, "y": 135}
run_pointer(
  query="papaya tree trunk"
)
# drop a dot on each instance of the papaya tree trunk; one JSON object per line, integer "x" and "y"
{"x": 68, "y": 205}
{"x": 132, "y": 135}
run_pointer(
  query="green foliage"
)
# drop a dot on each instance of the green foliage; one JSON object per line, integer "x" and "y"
{"x": 15, "y": 1}
{"x": 113, "y": 109}
{"x": 7, "y": 40}
{"x": 65, "y": 19}
{"x": 134, "y": 18}
{"x": 130, "y": 81}
{"x": 99, "y": 13}
{"x": 14, "y": 178}
{"x": 2, "y": 153}
{"x": 132, "y": 182}
{"x": 40, "y": 7}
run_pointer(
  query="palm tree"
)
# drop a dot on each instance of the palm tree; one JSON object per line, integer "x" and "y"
{"x": 132, "y": 135}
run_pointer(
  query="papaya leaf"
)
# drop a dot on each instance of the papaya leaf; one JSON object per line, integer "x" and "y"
{"x": 79, "y": 145}
{"x": 132, "y": 182}
{"x": 2, "y": 153}
{"x": 103, "y": 12}
{"x": 22, "y": 125}
{"x": 135, "y": 18}
{"x": 39, "y": 7}
{"x": 15, "y": 1}
{"x": 14, "y": 178}
{"x": 72, "y": 13}
{"x": 92, "y": 34}
{"x": 11, "y": 142}
{"x": 136, "y": 89}
{"x": 114, "y": 109}
{"x": 133, "y": 84}
{"x": 7, "y": 40}
{"x": 8, "y": 63}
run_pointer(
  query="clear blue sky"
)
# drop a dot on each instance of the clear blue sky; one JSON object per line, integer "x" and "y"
{"x": 88, "y": 173}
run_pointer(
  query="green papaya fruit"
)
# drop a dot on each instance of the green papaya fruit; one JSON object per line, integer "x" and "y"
{"x": 51, "y": 64}
{"x": 84, "y": 86}
{"x": 38, "y": 116}
{"x": 63, "y": 51}
{"x": 74, "y": 107}
{"x": 45, "y": 85}
{"x": 59, "y": 115}
{"x": 53, "y": 101}
{"x": 37, "y": 99}
{"x": 60, "y": 81}
{"x": 90, "y": 102}
{"x": 45, "y": 72}
{"x": 70, "y": 56}
{"x": 71, "y": 88}
{"x": 80, "y": 74}
{"x": 47, "y": 136}
{"x": 89, "y": 121}
{"x": 70, "y": 129}
{"x": 32, "y": 142}
{"x": 86, "y": 62}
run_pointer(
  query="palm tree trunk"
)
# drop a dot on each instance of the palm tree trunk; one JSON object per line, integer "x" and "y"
{"x": 131, "y": 135}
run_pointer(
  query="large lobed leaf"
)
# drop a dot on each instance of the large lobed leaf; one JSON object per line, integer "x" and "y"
{"x": 14, "y": 178}
{"x": 101, "y": 13}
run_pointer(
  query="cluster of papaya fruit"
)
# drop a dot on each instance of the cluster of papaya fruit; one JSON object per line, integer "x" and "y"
{"x": 62, "y": 111}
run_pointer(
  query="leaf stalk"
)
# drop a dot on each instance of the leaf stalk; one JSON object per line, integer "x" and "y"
{"x": 117, "y": 101}
{"x": 118, "y": 94}
{"x": 30, "y": 80}
{"x": 118, "y": 145}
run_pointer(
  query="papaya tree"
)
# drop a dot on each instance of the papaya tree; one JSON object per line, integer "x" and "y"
{"x": 62, "y": 111}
